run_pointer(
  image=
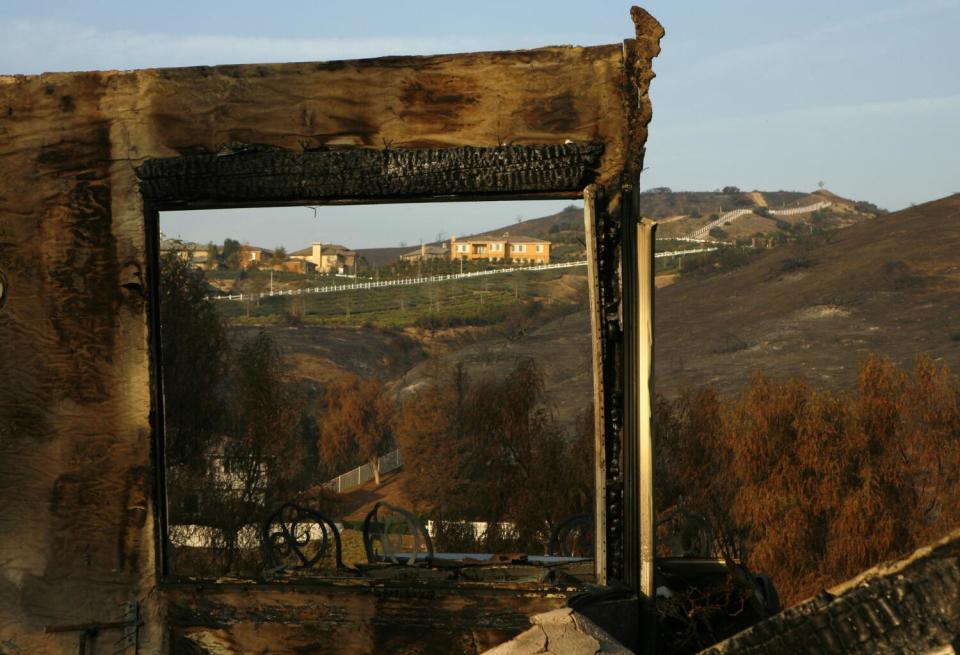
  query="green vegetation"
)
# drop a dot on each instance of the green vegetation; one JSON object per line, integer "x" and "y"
{"x": 661, "y": 204}
{"x": 670, "y": 245}
{"x": 868, "y": 208}
{"x": 487, "y": 300}
{"x": 253, "y": 276}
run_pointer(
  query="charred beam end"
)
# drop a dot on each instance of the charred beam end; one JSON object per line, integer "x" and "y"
{"x": 283, "y": 176}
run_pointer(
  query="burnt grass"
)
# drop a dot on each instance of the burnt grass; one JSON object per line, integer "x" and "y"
{"x": 818, "y": 306}
{"x": 813, "y": 308}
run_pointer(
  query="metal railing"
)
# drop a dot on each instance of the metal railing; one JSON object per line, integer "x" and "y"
{"x": 364, "y": 473}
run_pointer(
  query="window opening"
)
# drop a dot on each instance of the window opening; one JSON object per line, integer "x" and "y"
{"x": 352, "y": 385}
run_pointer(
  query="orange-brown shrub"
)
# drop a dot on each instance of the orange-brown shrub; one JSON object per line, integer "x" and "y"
{"x": 811, "y": 486}
{"x": 490, "y": 450}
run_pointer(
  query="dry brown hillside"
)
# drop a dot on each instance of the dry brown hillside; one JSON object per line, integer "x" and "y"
{"x": 314, "y": 355}
{"x": 817, "y": 306}
{"x": 814, "y": 307}
{"x": 561, "y": 347}
{"x": 679, "y": 213}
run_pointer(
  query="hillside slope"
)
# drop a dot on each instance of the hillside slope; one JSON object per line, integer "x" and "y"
{"x": 818, "y": 306}
{"x": 679, "y": 214}
{"x": 561, "y": 347}
{"x": 315, "y": 355}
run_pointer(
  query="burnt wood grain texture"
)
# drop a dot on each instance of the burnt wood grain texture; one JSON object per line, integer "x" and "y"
{"x": 361, "y": 618}
{"x": 910, "y": 606}
{"x": 77, "y": 482}
{"x": 614, "y": 226}
{"x": 262, "y": 176}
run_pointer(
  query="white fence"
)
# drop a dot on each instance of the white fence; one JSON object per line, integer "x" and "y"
{"x": 690, "y": 239}
{"x": 378, "y": 284}
{"x": 808, "y": 209}
{"x": 724, "y": 218}
{"x": 434, "y": 278}
{"x": 363, "y": 474}
{"x": 737, "y": 213}
{"x": 680, "y": 253}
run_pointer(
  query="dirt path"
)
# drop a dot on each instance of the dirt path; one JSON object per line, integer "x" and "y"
{"x": 758, "y": 199}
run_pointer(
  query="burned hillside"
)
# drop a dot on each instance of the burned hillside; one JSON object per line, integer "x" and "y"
{"x": 818, "y": 306}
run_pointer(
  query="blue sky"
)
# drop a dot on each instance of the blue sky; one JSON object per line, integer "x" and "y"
{"x": 862, "y": 95}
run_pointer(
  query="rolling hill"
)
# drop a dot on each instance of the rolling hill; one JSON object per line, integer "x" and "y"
{"x": 819, "y": 305}
{"x": 681, "y": 213}
{"x": 815, "y": 307}
{"x": 561, "y": 348}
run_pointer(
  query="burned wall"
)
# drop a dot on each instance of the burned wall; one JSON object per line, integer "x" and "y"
{"x": 77, "y": 537}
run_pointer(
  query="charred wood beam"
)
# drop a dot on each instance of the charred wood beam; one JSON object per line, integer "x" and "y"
{"x": 609, "y": 235}
{"x": 910, "y": 606}
{"x": 257, "y": 175}
{"x": 397, "y": 605}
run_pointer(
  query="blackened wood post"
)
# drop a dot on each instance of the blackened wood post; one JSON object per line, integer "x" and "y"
{"x": 592, "y": 196}
{"x": 639, "y": 518}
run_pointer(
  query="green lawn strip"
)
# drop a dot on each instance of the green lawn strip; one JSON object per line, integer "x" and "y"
{"x": 469, "y": 301}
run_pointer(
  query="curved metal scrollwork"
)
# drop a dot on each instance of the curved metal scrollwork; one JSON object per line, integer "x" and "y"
{"x": 381, "y": 522}
{"x": 297, "y": 537}
{"x": 573, "y": 537}
{"x": 688, "y": 535}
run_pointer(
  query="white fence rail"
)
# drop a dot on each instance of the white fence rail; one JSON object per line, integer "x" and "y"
{"x": 690, "y": 239}
{"x": 808, "y": 209}
{"x": 737, "y": 213}
{"x": 364, "y": 473}
{"x": 379, "y": 284}
{"x": 680, "y": 253}
{"x": 724, "y": 218}
{"x": 432, "y": 278}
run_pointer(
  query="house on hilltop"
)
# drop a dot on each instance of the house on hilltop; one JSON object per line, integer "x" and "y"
{"x": 503, "y": 248}
{"x": 253, "y": 255}
{"x": 425, "y": 252}
{"x": 294, "y": 265}
{"x": 188, "y": 251}
{"x": 328, "y": 257}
